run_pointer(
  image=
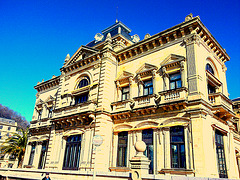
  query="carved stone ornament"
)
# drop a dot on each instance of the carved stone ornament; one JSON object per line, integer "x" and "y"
{"x": 132, "y": 104}
{"x": 107, "y": 54}
{"x": 189, "y": 17}
{"x": 154, "y": 72}
{"x": 182, "y": 65}
{"x": 139, "y": 79}
{"x": 192, "y": 39}
{"x": 157, "y": 99}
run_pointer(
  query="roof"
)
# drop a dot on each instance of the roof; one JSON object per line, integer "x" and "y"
{"x": 115, "y": 29}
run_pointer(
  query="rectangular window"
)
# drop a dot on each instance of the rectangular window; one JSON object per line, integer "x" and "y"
{"x": 147, "y": 87}
{"x": 178, "y": 157}
{"x": 30, "y": 162}
{"x": 39, "y": 114}
{"x": 50, "y": 112}
{"x": 211, "y": 89}
{"x": 1, "y": 127}
{"x": 147, "y": 137}
{"x": 122, "y": 149}
{"x": 222, "y": 169}
{"x": 175, "y": 81}
{"x": 43, "y": 155}
{"x": 125, "y": 93}
{"x": 81, "y": 98}
{"x": 9, "y": 128}
{"x": 72, "y": 153}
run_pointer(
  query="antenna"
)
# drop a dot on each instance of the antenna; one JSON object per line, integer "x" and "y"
{"x": 117, "y": 12}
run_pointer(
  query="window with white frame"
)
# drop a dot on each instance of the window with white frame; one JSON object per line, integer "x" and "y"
{"x": 175, "y": 80}
{"x": 147, "y": 87}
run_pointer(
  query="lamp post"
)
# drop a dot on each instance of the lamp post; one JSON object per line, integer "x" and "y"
{"x": 97, "y": 141}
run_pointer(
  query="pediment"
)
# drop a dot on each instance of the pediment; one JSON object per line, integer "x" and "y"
{"x": 146, "y": 67}
{"x": 125, "y": 75}
{"x": 50, "y": 98}
{"x": 171, "y": 59}
{"x": 78, "y": 55}
{"x": 39, "y": 102}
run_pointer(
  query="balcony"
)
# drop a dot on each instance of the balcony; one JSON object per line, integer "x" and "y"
{"x": 164, "y": 99}
{"x": 144, "y": 101}
{"x": 220, "y": 100}
{"x": 74, "y": 109}
{"x": 173, "y": 95}
{"x": 121, "y": 105}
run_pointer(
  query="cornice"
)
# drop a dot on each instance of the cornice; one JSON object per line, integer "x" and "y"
{"x": 47, "y": 84}
{"x": 193, "y": 26}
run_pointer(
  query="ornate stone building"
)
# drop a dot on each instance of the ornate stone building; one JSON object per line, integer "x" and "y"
{"x": 7, "y": 128}
{"x": 168, "y": 90}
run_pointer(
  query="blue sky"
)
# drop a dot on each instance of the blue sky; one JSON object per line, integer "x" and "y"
{"x": 36, "y": 36}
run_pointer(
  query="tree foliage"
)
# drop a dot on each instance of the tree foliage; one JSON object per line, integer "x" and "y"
{"x": 8, "y": 113}
{"x": 16, "y": 145}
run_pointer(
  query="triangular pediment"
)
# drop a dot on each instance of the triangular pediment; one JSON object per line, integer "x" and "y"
{"x": 50, "y": 98}
{"x": 125, "y": 75}
{"x": 146, "y": 67}
{"x": 172, "y": 58}
{"x": 78, "y": 55}
{"x": 39, "y": 102}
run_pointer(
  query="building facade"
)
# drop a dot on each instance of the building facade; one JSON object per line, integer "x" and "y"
{"x": 168, "y": 90}
{"x": 7, "y": 128}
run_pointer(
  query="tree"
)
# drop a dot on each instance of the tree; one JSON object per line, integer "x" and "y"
{"x": 16, "y": 145}
{"x": 6, "y": 112}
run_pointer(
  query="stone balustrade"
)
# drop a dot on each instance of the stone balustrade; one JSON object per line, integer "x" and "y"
{"x": 79, "y": 108}
{"x": 217, "y": 99}
{"x": 165, "y": 97}
{"x": 173, "y": 95}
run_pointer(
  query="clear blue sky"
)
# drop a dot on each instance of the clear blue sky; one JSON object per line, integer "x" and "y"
{"x": 36, "y": 36}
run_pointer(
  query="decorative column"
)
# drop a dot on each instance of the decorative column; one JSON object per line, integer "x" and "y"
{"x": 139, "y": 163}
{"x": 182, "y": 70}
{"x": 37, "y": 154}
{"x": 27, "y": 154}
{"x": 140, "y": 85}
{"x": 130, "y": 88}
{"x": 192, "y": 77}
{"x": 154, "y": 80}
{"x": 165, "y": 79}
{"x": 119, "y": 93}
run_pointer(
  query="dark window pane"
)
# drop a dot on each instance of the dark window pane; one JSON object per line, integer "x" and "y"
{"x": 175, "y": 81}
{"x": 220, "y": 154}
{"x": 147, "y": 137}
{"x": 147, "y": 87}
{"x": 72, "y": 152}
{"x": 178, "y": 157}
{"x": 209, "y": 68}
{"x": 32, "y": 153}
{"x": 122, "y": 149}
{"x": 125, "y": 93}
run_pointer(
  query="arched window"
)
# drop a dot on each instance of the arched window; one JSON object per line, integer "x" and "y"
{"x": 209, "y": 68}
{"x": 84, "y": 82}
{"x": 83, "y": 96}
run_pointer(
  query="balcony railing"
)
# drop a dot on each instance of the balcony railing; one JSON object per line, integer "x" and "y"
{"x": 121, "y": 105}
{"x": 78, "y": 108}
{"x": 169, "y": 96}
{"x": 173, "y": 95}
{"x": 217, "y": 99}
